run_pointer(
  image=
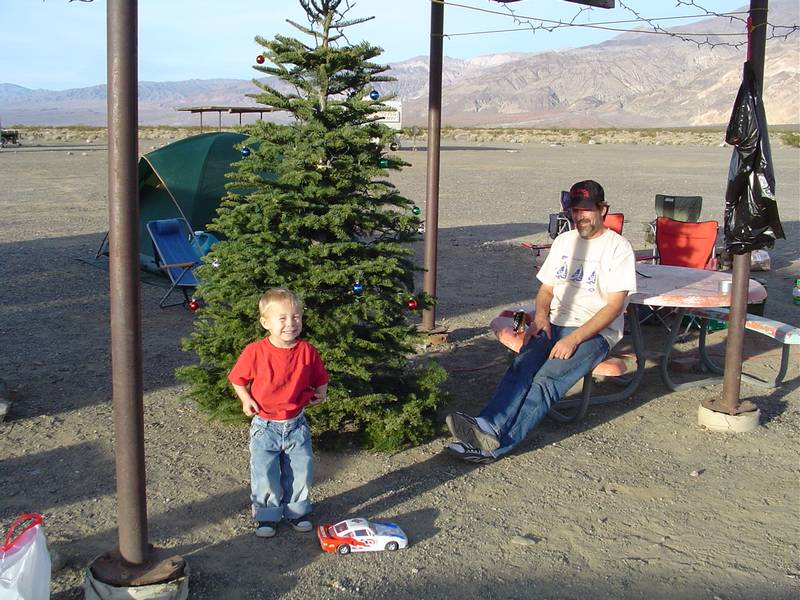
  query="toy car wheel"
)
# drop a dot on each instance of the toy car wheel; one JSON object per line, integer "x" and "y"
{"x": 392, "y": 546}
{"x": 343, "y": 549}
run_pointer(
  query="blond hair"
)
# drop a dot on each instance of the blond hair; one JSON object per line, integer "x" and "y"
{"x": 277, "y": 296}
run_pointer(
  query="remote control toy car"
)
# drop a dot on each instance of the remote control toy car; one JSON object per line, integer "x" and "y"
{"x": 360, "y": 535}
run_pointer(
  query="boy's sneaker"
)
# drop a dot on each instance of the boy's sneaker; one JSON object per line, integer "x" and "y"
{"x": 466, "y": 429}
{"x": 266, "y": 529}
{"x": 301, "y": 524}
{"x": 470, "y": 453}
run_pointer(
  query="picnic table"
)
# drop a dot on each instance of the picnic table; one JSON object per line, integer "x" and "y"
{"x": 682, "y": 289}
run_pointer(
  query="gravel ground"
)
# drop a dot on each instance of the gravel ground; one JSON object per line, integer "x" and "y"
{"x": 636, "y": 501}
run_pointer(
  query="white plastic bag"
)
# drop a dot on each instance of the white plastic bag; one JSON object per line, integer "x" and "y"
{"x": 24, "y": 561}
{"x": 759, "y": 260}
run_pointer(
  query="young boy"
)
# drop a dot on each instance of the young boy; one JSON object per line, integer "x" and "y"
{"x": 275, "y": 378}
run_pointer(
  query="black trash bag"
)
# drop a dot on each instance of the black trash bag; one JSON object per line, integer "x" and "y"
{"x": 751, "y": 213}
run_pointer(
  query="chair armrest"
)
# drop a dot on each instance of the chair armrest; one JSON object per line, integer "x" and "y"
{"x": 536, "y": 249}
{"x": 640, "y": 256}
{"x": 180, "y": 265}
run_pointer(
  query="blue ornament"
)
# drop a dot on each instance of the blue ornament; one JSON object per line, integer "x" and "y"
{"x": 374, "y": 94}
{"x": 245, "y": 151}
{"x": 357, "y": 288}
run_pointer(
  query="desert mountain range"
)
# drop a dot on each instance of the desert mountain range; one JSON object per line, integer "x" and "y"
{"x": 632, "y": 80}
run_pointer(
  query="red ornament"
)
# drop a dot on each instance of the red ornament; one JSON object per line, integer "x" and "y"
{"x": 260, "y": 59}
{"x": 193, "y": 305}
{"x": 411, "y": 304}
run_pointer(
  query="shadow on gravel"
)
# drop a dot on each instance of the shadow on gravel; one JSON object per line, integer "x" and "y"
{"x": 214, "y": 573}
{"x": 49, "y": 478}
{"x": 51, "y": 300}
{"x": 54, "y": 314}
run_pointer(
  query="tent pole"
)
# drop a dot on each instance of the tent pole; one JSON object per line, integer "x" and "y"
{"x": 434, "y": 147}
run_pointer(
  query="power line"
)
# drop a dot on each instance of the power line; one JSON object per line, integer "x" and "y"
{"x": 711, "y": 39}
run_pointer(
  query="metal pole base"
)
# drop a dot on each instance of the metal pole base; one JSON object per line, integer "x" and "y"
{"x": 437, "y": 336}
{"x": 718, "y": 421}
{"x": 164, "y": 576}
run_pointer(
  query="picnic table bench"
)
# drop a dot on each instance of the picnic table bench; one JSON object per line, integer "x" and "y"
{"x": 787, "y": 335}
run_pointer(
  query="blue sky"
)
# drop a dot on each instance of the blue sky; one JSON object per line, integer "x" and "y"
{"x": 56, "y": 44}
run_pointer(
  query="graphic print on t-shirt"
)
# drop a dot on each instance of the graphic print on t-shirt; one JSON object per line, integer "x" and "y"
{"x": 562, "y": 270}
{"x": 577, "y": 276}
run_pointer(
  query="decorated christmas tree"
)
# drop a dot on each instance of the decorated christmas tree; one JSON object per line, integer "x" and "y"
{"x": 310, "y": 208}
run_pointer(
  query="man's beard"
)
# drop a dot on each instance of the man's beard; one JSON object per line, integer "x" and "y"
{"x": 586, "y": 230}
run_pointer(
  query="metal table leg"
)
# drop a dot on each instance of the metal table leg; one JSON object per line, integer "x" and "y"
{"x": 664, "y": 362}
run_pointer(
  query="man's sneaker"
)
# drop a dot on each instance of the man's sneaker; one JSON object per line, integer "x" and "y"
{"x": 301, "y": 524}
{"x": 470, "y": 453}
{"x": 266, "y": 529}
{"x": 466, "y": 429}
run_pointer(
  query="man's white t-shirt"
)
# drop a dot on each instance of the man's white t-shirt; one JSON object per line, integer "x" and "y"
{"x": 583, "y": 272}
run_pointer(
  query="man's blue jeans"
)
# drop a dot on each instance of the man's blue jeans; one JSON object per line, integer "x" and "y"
{"x": 533, "y": 383}
{"x": 281, "y": 468}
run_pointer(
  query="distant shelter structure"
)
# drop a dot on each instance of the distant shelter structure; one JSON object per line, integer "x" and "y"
{"x": 231, "y": 110}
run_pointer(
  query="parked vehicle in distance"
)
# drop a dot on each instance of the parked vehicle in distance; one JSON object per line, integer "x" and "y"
{"x": 9, "y": 136}
{"x": 393, "y": 119}
{"x": 360, "y": 535}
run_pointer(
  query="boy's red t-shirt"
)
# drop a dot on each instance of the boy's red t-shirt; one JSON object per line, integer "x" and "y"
{"x": 282, "y": 380}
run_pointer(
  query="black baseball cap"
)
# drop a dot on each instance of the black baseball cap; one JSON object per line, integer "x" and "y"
{"x": 586, "y": 194}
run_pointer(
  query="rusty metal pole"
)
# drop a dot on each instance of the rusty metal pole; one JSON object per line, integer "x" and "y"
{"x": 134, "y": 563}
{"x": 730, "y": 402}
{"x": 126, "y": 340}
{"x": 434, "y": 147}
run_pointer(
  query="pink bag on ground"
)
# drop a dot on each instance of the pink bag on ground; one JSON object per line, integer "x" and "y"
{"x": 24, "y": 561}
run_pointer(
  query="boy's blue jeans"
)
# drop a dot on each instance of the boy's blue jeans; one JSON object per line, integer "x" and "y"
{"x": 533, "y": 383}
{"x": 281, "y": 468}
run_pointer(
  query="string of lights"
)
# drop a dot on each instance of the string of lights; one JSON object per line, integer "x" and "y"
{"x": 711, "y": 39}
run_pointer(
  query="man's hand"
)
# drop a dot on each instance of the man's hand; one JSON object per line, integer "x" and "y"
{"x": 565, "y": 347}
{"x": 540, "y": 323}
{"x": 541, "y": 318}
{"x": 250, "y": 407}
{"x": 537, "y": 326}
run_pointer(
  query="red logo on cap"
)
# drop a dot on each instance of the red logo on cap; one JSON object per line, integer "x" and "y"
{"x": 580, "y": 193}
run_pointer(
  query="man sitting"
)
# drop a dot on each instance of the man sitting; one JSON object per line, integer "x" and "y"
{"x": 585, "y": 281}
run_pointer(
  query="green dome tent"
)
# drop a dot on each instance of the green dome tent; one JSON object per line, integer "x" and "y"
{"x": 184, "y": 179}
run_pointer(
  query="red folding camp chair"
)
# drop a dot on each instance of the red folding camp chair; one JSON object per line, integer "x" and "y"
{"x": 683, "y": 244}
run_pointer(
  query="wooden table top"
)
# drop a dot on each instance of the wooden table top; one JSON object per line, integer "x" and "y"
{"x": 682, "y": 287}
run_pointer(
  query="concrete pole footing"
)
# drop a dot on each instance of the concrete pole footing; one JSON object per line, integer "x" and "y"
{"x": 717, "y": 421}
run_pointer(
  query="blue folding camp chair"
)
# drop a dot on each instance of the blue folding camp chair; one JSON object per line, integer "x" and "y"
{"x": 176, "y": 253}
